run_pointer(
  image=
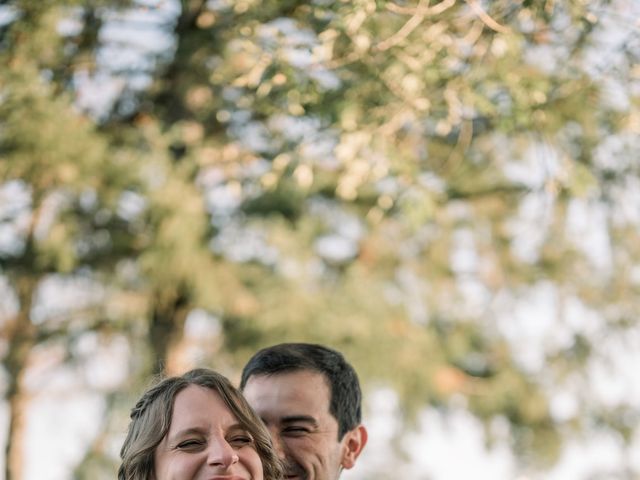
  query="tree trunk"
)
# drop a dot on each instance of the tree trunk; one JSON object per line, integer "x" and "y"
{"x": 21, "y": 334}
{"x": 167, "y": 322}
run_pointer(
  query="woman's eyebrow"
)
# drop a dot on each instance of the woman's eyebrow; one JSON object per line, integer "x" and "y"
{"x": 200, "y": 431}
{"x": 236, "y": 426}
{"x": 187, "y": 431}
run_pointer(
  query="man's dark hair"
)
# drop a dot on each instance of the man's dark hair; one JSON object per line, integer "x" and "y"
{"x": 344, "y": 387}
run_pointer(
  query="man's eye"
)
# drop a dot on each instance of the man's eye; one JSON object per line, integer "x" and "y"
{"x": 295, "y": 431}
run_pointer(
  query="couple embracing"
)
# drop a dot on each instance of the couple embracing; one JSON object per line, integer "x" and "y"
{"x": 298, "y": 418}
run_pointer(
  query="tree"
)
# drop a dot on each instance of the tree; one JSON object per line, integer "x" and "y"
{"x": 345, "y": 172}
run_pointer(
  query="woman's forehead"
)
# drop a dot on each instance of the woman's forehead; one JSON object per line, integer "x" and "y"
{"x": 200, "y": 407}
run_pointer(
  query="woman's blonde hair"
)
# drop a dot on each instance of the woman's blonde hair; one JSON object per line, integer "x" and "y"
{"x": 151, "y": 419}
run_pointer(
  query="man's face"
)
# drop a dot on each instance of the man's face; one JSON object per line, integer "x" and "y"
{"x": 295, "y": 408}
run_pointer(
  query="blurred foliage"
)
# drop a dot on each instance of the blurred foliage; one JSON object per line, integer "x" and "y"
{"x": 389, "y": 178}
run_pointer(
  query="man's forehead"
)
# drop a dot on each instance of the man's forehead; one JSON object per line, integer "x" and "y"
{"x": 300, "y": 389}
{"x": 291, "y": 378}
{"x": 292, "y": 398}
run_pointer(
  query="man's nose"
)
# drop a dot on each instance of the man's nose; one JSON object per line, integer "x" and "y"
{"x": 220, "y": 453}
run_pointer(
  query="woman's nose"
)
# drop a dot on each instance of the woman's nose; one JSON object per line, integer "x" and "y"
{"x": 221, "y": 453}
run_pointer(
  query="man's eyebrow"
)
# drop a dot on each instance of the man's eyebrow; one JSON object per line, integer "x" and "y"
{"x": 299, "y": 419}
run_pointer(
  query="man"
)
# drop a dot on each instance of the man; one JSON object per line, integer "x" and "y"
{"x": 309, "y": 398}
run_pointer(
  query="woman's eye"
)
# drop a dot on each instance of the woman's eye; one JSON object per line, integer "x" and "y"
{"x": 190, "y": 444}
{"x": 240, "y": 440}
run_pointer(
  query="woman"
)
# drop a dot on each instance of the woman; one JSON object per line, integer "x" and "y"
{"x": 196, "y": 426}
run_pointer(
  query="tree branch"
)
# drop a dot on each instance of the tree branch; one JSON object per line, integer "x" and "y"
{"x": 486, "y": 19}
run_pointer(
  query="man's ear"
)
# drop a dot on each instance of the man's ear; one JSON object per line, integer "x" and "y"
{"x": 353, "y": 443}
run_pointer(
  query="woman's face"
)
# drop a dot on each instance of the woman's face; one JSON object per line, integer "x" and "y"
{"x": 205, "y": 441}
